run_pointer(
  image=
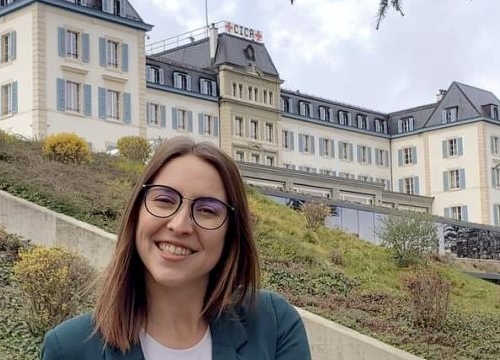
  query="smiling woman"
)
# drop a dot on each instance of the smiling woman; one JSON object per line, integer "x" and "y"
{"x": 184, "y": 279}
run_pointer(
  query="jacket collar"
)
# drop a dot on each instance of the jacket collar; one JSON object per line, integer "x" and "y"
{"x": 228, "y": 337}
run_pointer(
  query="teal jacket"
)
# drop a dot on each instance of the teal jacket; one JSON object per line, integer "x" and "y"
{"x": 273, "y": 330}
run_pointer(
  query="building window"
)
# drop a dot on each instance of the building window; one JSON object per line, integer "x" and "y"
{"x": 255, "y": 94}
{"x": 153, "y": 114}
{"x": 362, "y": 121}
{"x": 495, "y": 145}
{"x": 182, "y": 81}
{"x": 453, "y": 147}
{"x": 238, "y": 126}
{"x": 454, "y": 179}
{"x": 449, "y": 115}
{"x": 6, "y": 2}
{"x": 407, "y": 156}
{"x": 112, "y": 104}
{"x": 271, "y": 98}
{"x": 326, "y": 147}
{"x": 409, "y": 185}
{"x": 495, "y": 177}
{"x": 306, "y": 143}
{"x": 269, "y": 132}
{"x": 381, "y": 157}
{"x": 72, "y": 44}
{"x": 254, "y": 129}
{"x": 208, "y": 124}
{"x": 308, "y": 169}
{"x": 235, "y": 86}
{"x": 344, "y": 118}
{"x": 494, "y": 112}
{"x": 406, "y": 124}
{"x": 304, "y": 108}
{"x": 456, "y": 213}
{"x": 112, "y": 53}
{"x": 324, "y": 113}
{"x": 496, "y": 214}
{"x": 286, "y": 104}
{"x": 381, "y": 126}
{"x": 255, "y": 158}
{"x": 328, "y": 172}
{"x": 154, "y": 74}
{"x": 269, "y": 160}
{"x": 264, "y": 96}
{"x": 182, "y": 120}
{"x": 6, "y": 99}
{"x": 345, "y": 151}
{"x": 287, "y": 139}
{"x": 240, "y": 156}
{"x": 364, "y": 154}
{"x": 72, "y": 96}
{"x": 208, "y": 87}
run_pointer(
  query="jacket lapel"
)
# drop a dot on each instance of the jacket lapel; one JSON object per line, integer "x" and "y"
{"x": 228, "y": 337}
{"x": 135, "y": 353}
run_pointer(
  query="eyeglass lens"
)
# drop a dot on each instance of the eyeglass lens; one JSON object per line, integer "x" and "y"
{"x": 207, "y": 212}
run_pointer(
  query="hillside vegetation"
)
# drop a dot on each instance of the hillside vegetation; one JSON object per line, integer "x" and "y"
{"x": 327, "y": 272}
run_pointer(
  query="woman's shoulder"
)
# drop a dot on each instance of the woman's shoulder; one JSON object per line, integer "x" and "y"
{"x": 73, "y": 336}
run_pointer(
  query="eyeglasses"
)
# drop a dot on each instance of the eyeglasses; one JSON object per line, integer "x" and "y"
{"x": 163, "y": 201}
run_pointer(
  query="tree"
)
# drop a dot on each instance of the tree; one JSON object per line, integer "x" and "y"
{"x": 410, "y": 236}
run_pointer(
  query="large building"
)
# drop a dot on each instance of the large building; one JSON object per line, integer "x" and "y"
{"x": 83, "y": 66}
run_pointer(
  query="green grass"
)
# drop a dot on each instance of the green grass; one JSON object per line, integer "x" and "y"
{"x": 329, "y": 272}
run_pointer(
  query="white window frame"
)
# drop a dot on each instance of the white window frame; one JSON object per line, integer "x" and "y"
{"x": 254, "y": 129}
{"x": 238, "y": 126}
{"x": 364, "y": 155}
{"x": 112, "y": 53}
{"x": 182, "y": 119}
{"x": 409, "y": 185}
{"x": 153, "y": 74}
{"x": 326, "y": 145}
{"x": 113, "y": 104}
{"x": 456, "y": 213}
{"x": 6, "y": 99}
{"x": 73, "y": 96}
{"x": 452, "y": 145}
{"x": 154, "y": 117}
{"x": 270, "y": 160}
{"x": 408, "y": 156}
{"x": 495, "y": 145}
{"x": 344, "y": 151}
{"x": 208, "y": 124}
{"x": 255, "y": 158}
{"x": 343, "y": 117}
{"x": 72, "y": 39}
{"x": 454, "y": 179}
{"x": 239, "y": 155}
{"x": 286, "y": 141}
{"x": 269, "y": 132}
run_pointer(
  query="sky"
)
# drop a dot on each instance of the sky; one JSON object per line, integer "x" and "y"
{"x": 331, "y": 49}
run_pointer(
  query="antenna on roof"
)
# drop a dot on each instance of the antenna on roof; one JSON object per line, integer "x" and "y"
{"x": 206, "y": 15}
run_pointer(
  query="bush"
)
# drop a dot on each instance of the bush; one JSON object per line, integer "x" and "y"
{"x": 315, "y": 212}
{"x": 430, "y": 298}
{"x": 66, "y": 148}
{"x": 134, "y": 148}
{"x": 410, "y": 235}
{"x": 54, "y": 283}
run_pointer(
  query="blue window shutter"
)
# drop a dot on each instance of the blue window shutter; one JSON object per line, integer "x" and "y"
{"x": 290, "y": 107}
{"x": 492, "y": 144}
{"x": 495, "y": 214}
{"x": 190, "y": 120}
{"x": 400, "y": 126}
{"x": 216, "y": 126}
{"x": 412, "y": 124}
{"x": 460, "y": 146}
{"x": 332, "y": 150}
{"x": 12, "y": 45}
{"x": 465, "y": 213}
{"x": 214, "y": 88}
{"x": 292, "y": 140}
{"x": 301, "y": 145}
{"x": 163, "y": 114}
{"x": 443, "y": 116}
{"x": 400, "y": 181}
{"x": 127, "y": 116}
{"x": 106, "y": 6}
{"x": 200, "y": 123}
{"x": 349, "y": 120}
{"x": 312, "y": 144}
{"x": 494, "y": 180}
{"x": 123, "y": 8}
{"x": 416, "y": 185}
{"x": 446, "y": 186}
{"x": 14, "y": 97}
{"x": 188, "y": 82}
{"x": 445, "y": 148}
{"x": 350, "y": 152}
{"x": 101, "y": 103}
{"x": 102, "y": 49}
{"x": 124, "y": 57}
{"x": 358, "y": 152}
{"x": 462, "y": 178}
{"x": 148, "y": 114}
{"x": 87, "y": 100}
{"x": 161, "y": 75}
{"x": 386, "y": 156}
{"x": 177, "y": 82}
{"x": 61, "y": 92}
{"x": 61, "y": 41}
{"x": 369, "y": 155}
{"x": 174, "y": 118}
{"x": 400, "y": 157}
{"x": 414, "y": 155}
{"x": 321, "y": 146}
{"x": 447, "y": 212}
{"x": 85, "y": 47}
{"x": 377, "y": 162}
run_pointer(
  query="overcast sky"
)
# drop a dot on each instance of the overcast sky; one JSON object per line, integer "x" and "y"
{"x": 330, "y": 48}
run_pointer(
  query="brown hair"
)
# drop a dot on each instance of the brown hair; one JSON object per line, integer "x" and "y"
{"x": 121, "y": 309}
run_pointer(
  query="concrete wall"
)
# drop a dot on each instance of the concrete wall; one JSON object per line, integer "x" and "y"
{"x": 328, "y": 340}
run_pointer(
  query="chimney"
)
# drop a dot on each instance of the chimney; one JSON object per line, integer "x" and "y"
{"x": 213, "y": 37}
{"x": 440, "y": 95}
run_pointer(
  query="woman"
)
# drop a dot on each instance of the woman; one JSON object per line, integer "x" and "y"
{"x": 184, "y": 279}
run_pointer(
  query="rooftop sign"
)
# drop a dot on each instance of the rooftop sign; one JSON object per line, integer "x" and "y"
{"x": 244, "y": 32}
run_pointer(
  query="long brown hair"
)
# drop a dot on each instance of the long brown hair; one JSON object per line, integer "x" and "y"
{"x": 121, "y": 308}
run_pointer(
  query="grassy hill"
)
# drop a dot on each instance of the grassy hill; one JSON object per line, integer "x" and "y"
{"x": 327, "y": 272}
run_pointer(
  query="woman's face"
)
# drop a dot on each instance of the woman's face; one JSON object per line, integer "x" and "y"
{"x": 176, "y": 252}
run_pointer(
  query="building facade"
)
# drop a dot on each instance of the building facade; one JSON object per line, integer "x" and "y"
{"x": 82, "y": 66}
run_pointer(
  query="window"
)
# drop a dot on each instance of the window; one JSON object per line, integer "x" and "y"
{"x": 364, "y": 154}
{"x": 405, "y": 124}
{"x": 208, "y": 125}
{"x": 449, "y": 115}
{"x": 116, "y": 7}
{"x": 269, "y": 160}
{"x": 496, "y": 214}
{"x": 324, "y": 113}
{"x": 362, "y": 121}
{"x": 286, "y": 104}
{"x": 269, "y": 132}
{"x": 6, "y": 99}
{"x": 344, "y": 118}
{"x": 495, "y": 176}
{"x": 112, "y": 54}
{"x": 72, "y": 96}
{"x": 182, "y": 81}
{"x": 8, "y": 47}
{"x": 182, "y": 119}
{"x": 112, "y": 104}
{"x": 381, "y": 126}
{"x": 381, "y": 157}
{"x": 271, "y": 98}
{"x": 452, "y": 147}
{"x": 72, "y": 44}
{"x": 494, "y": 112}
{"x": 409, "y": 185}
{"x": 208, "y": 87}
{"x": 495, "y": 145}
{"x": 326, "y": 147}
{"x": 264, "y": 96}
{"x": 250, "y": 93}
{"x": 345, "y": 151}
{"x": 407, "y": 156}
{"x": 287, "y": 139}
{"x": 255, "y": 94}
{"x": 254, "y": 129}
{"x": 306, "y": 143}
{"x": 457, "y": 212}
{"x": 234, "y": 89}
{"x": 154, "y": 74}
{"x": 238, "y": 126}
{"x": 255, "y": 158}
{"x": 240, "y": 156}
{"x": 153, "y": 114}
{"x": 304, "y": 108}
{"x": 6, "y": 2}
{"x": 454, "y": 179}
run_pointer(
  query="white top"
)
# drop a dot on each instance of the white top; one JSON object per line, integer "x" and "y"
{"x": 153, "y": 350}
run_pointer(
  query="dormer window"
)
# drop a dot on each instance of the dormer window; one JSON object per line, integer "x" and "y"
{"x": 344, "y": 118}
{"x": 286, "y": 104}
{"x": 324, "y": 113}
{"x": 362, "y": 121}
{"x": 182, "y": 81}
{"x": 494, "y": 112}
{"x": 154, "y": 74}
{"x": 305, "y": 108}
{"x": 449, "y": 115}
{"x": 405, "y": 124}
{"x": 381, "y": 126}
{"x": 116, "y": 7}
{"x": 208, "y": 87}
{"x": 249, "y": 53}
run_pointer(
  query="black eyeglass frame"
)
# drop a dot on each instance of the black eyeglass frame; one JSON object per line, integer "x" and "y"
{"x": 146, "y": 187}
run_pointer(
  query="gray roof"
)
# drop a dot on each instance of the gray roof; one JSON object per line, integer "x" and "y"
{"x": 420, "y": 115}
{"x": 478, "y": 97}
{"x": 230, "y": 50}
